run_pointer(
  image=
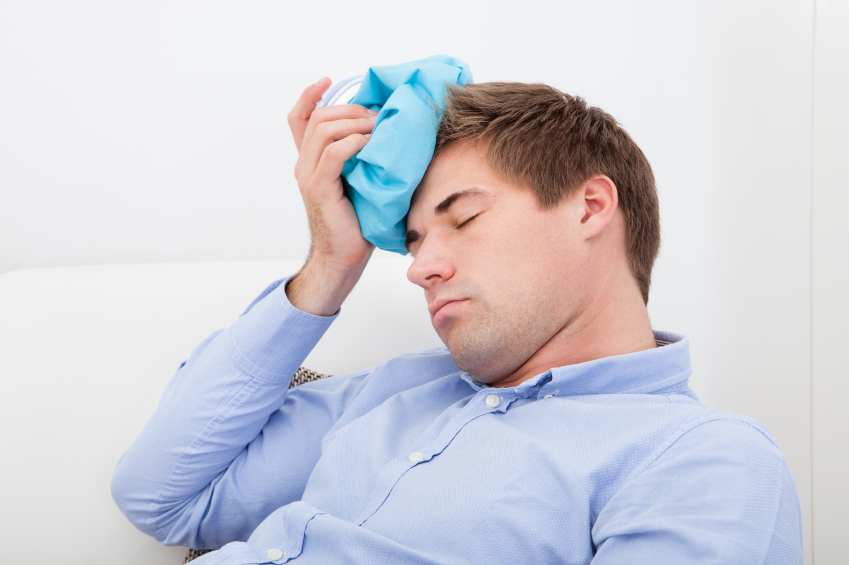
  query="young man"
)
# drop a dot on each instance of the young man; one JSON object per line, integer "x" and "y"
{"x": 555, "y": 427}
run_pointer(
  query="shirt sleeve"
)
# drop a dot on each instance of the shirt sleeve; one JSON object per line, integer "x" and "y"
{"x": 228, "y": 444}
{"x": 721, "y": 493}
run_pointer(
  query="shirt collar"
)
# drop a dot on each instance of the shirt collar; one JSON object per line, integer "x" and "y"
{"x": 664, "y": 368}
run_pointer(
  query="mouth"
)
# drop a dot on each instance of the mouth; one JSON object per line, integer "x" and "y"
{"x": 438, "y": 305}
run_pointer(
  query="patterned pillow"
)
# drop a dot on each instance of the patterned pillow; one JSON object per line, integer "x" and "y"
{"x": 302, "y": 376}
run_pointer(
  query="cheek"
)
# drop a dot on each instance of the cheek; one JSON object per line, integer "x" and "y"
{"x": 519, "y": 243}
{"x": 527, "y": 243}
{"x": 532, "y": 263}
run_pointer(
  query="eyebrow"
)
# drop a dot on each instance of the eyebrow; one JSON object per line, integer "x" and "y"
{"x": 443, "y": 207}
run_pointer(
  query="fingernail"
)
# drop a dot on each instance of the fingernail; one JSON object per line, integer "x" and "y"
{"x": 372, "y": 118}
{"x": 368, "y": 135}
{"x": 373, "y": 112}
{"x": 321, "y": 80}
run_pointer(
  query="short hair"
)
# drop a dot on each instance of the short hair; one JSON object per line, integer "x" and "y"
{"x": 536, "y": 135}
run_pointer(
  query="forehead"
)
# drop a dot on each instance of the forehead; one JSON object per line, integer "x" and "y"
{"x": 457, "y": 168}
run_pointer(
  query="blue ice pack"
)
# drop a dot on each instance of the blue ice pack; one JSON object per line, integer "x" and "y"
{"x": 381, "y": 178}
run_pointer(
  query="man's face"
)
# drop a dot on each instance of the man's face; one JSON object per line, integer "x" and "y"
{"x": 501, "y": 276}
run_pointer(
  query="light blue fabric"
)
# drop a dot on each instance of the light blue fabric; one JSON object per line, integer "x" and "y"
{"x": 608, "y": 462}
{"x": 381, "y": 178}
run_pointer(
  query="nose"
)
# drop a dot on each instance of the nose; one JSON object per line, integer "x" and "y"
{"x": 431, "y": 265}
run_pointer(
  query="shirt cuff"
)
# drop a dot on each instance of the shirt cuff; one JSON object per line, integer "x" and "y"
{"x": 272, "y": 338}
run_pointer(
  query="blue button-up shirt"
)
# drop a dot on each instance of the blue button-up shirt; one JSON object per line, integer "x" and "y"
{"x": 610, "y": 461}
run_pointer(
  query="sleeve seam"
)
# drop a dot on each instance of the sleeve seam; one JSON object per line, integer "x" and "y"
{"x": 253, "y": 370}
{"x": 680, "y": 433}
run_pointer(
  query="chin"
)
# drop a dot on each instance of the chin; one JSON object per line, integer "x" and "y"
{"x": 493, "y": 350}
{"x": 479, "y": 358}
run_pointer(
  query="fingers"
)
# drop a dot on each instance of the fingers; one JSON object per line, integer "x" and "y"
{"x": 299, "y": 116}
{"x": 332, "y": 161}
{"x": 327, "y": 133}
{"x": 332, "y": 113}
{"x": 303, "y": 115}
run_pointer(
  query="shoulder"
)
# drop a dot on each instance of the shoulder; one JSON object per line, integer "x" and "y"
{"x": 417, "y": 366}
{"x": 713, "y": 428}
{"x": 719, "y": 481}
{"x": 397, "y": 374}
{"x": 716, "y": 444}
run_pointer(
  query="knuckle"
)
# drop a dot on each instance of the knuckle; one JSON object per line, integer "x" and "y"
{"x": 333, "y": 151}
{"x": 323, "y": 129}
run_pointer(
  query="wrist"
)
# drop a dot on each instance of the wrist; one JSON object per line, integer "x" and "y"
{"x": 319, "y": 289}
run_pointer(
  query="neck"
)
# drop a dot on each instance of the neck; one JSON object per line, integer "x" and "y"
{"x": 613, "y": 321}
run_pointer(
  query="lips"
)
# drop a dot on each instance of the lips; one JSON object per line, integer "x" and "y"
{"x": 436, "y": 305}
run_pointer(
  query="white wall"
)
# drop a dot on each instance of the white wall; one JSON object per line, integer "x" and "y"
{"x": 830, "y": 282}
{"x": 155, "y": 131}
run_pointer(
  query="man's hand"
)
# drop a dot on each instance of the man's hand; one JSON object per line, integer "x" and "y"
{"x": 326, "y": 138}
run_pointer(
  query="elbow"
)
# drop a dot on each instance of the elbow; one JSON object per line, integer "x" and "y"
{"x": 129, "y": 494}
{"x": 168, "y": 522}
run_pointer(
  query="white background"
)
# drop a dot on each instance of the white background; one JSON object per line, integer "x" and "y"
{"x": 155, "y": 131}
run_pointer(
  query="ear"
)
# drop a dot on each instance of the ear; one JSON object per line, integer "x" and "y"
{"x": 600, "y": 200}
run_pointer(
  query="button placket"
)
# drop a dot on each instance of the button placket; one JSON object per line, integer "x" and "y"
{"x": 433, "y": 446}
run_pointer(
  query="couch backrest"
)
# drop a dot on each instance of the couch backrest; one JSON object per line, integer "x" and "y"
{"x": 85, "y": 353}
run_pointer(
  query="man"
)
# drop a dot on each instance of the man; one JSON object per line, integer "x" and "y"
{"x": 555, "y": 428}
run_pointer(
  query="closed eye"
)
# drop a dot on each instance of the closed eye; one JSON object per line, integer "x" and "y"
{"x": 468, "y": 220}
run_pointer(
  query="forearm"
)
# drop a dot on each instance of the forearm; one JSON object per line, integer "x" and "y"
{"x": 216, "y": 404}
{"x": 197, "y": 444}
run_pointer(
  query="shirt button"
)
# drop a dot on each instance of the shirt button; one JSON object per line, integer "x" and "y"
{"x": 274, "y": 554}
{"x": 493, "y": 400}
{"x": 416, "y": 456}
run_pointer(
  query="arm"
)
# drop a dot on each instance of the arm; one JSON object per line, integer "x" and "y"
{"x": 720, "y": 493}
{"x": 218, "y": 456}
{"x": 326, "y": 138}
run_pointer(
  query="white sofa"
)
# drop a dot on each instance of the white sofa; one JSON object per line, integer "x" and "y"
{"x": 85, "y": 353}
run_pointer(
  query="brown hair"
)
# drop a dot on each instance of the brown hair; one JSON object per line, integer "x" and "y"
{"x": 537, "y": 135}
